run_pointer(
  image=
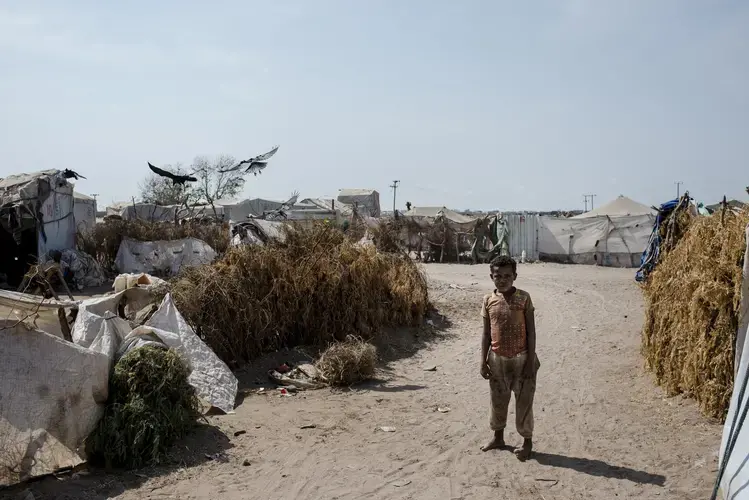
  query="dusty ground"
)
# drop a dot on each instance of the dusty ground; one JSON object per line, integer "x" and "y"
{"x": 603, "y": 430}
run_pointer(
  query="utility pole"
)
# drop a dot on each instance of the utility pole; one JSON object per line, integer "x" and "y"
{"x": 678, "y": 189}
{"x": 394, "y": 185}
{"x": 585, "y": 197}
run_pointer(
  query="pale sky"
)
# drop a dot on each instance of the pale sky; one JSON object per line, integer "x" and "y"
{"x": 470, "y": 104}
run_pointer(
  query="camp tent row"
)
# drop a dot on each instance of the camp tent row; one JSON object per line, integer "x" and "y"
{"x": 615, "y": 234}
{"x": 366, "y": 202}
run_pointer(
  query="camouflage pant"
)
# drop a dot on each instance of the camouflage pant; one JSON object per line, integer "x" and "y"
{"x": 507, "y": 378}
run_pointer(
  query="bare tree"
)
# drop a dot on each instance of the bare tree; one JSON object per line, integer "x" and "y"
{"x": 213, "y": 184}
{"x": 161, "y": 191}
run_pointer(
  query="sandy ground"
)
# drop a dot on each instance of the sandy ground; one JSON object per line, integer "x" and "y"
{"x": 603, "y": 430}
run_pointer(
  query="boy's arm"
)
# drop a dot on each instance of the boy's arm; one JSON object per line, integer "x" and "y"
{"x": 485, "y": 340}
{"x": 530, "y": 332}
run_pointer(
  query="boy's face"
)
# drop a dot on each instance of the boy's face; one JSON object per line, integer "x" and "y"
{"x": 503, "y": 278}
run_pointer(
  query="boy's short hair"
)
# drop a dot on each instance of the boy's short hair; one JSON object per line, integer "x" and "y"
{"x": 503, "y": 261}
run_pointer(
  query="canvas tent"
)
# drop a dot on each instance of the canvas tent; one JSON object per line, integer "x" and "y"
{"x": 615, "y": 235}
{"x": 84, "y": 210}
{"x": 733, "y": 473}
{"x": 367, "y": 201}
{"x": 37, "y": 215}
{"x": 620, "y": 207}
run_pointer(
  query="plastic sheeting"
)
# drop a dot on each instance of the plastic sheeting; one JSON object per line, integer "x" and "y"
{"x": 734, "y": 447}
{"x": 53, "y": 394}
{"x": 164, "y": 258}
{"x": 606, "y": 241}
{"x": 84, "y": 209}
{"x": 85, "y": 271}
{"x": 367, "y": 201}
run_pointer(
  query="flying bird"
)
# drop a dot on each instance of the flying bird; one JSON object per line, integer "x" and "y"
{"x": 256, "y": 164}
{"x": 70, "y": 174}
{"x": 176, "y": 178}
{"x": 281, "y": 213}
{"x": 289, "y": 204}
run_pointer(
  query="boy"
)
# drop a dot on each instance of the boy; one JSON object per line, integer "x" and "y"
{"x": 511, "y": 364}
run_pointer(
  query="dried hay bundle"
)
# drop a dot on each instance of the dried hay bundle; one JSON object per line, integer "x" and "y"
{"x": 349, "y": 362}
{"x": 103, "y": 241}
{"x": 316, "y": 287}
{"x": 150, "y": 406}
{"x": 388, "y": 236}
{"x": 691, "y": 319}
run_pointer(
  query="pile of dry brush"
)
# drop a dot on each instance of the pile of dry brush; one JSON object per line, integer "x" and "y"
{"x": 316, "y": 287}
{"x": 103, "y": 241}
{"x": 692, "y": 301}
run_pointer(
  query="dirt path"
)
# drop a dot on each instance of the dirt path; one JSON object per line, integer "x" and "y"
{"x": 603, "y": 430}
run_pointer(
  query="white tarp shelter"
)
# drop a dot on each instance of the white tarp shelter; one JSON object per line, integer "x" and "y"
{"x": 428, "y": 215}
{"x": 143, "y": 211}
{"x": 733, "y": 467}
{"x": 367, "y": 201}
{"x": 54, "y": 391}
{"x": 615, "y": 236}
{"x": 620, "y": 207}
{"x": 84, "y": 210}
{"x": 162, "y": 258}
{"x": 45, "y": 200}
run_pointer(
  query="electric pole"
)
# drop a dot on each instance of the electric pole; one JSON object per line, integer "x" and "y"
{"x": 394, "y": 185}
{"x": 585, "y": 197}
{"x": 678, "y": 189}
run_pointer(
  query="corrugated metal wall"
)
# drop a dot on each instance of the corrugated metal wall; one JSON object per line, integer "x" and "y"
{"x": 523, "y": 234}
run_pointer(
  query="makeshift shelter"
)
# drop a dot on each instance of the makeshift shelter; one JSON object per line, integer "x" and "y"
{"x": 442, "y": 232}
{"x": 84, "y": 210}
{"x": 615, "y": 234}
{"x": 367, "y": 201}
{"x": 142, "y": 211}
{"x": 36, "y": 216}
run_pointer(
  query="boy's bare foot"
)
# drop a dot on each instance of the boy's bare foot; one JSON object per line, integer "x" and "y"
{"x": 524, "y": 453}
{"x": 496, "y": 443}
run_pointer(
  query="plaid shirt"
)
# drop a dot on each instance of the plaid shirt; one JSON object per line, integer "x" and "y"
{"x": 507, "y": 319}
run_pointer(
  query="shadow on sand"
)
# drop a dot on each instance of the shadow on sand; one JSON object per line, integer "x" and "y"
{"x": 204, "y": 444}
{"x": 598, "y": 468}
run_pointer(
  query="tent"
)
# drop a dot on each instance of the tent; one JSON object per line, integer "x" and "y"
{"x": 84, "y": 211}
{"x": 367, "y": 201}
{"x": 36, "y": 213}
{"x": 428, "y": 215}
{"x": 620, "y": 207}
{"x": 733, "y": 474}
{"x": 615, "y": 234}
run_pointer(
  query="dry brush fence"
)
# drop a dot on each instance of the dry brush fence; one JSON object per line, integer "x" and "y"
{"x": 692, "y": 300}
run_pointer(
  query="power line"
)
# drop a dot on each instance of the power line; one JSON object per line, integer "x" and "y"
{"x": 394, "y": 185}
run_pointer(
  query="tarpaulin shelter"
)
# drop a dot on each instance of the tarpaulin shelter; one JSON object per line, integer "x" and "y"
{"x": 84, "y": 209}
{"x": 439, "y": 230}
{"x": 428, "y": 215}
{"x": 732, "y": 481}
{"x": 54, "y": 391}
{"x": 143, "y": 211}
{"x": 36, "y": 216}
{"x": 367, "y": 201}
{"x": 615, "y": 234}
